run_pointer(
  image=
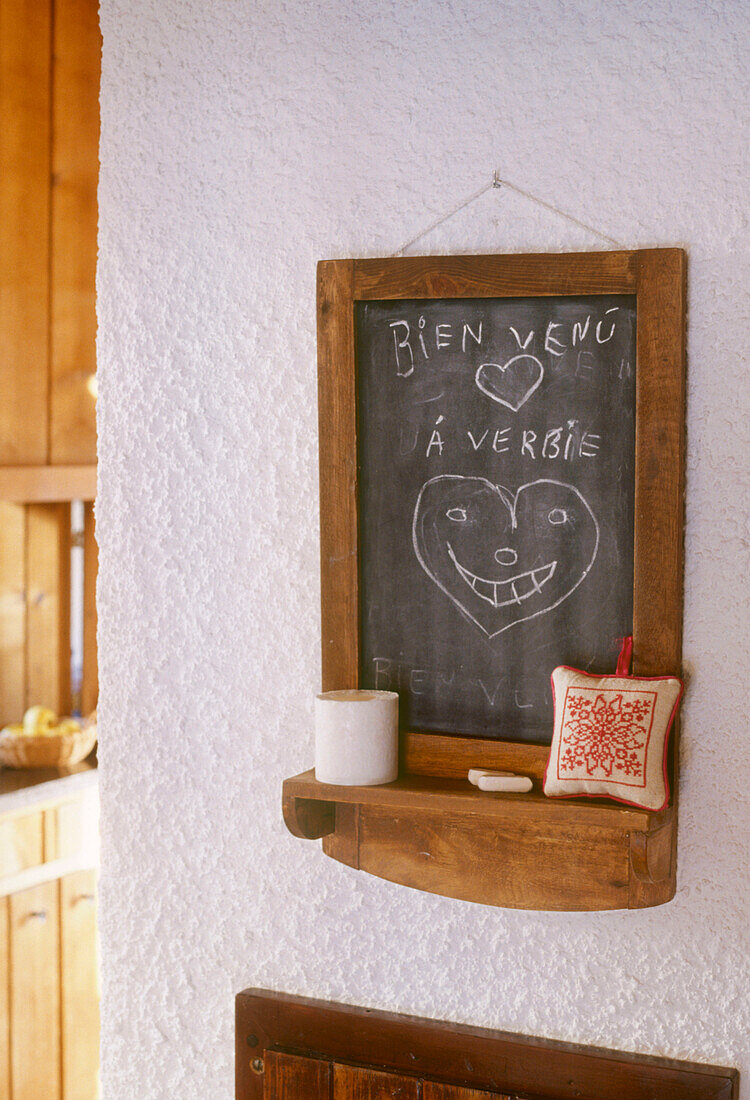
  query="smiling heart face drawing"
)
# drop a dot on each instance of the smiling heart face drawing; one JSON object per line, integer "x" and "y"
{"x": 503, "y": 558}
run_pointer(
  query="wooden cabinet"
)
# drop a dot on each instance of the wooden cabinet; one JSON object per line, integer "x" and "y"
{"x": 49, "y": 997}
{"x": 294, "y": 1048}
{"x": 50, "y": 54}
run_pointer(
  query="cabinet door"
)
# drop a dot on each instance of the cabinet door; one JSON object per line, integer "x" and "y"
{"x": 362, "y": 1054}
{"x": 287, "y": 1077}
{"x": 351, "y": 1083}
{"x": 21, "y": 842}
{"x": 79, "y": 987}
{"x": 35, "y": 993}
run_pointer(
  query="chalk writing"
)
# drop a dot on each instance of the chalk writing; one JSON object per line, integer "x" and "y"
{"x": 495, "y": 502}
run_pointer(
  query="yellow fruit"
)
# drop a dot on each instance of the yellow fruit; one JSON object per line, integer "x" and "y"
{"x": 14, "y": 730}
{"x": 38, "y": 719}
{"x": 67, "y": 725}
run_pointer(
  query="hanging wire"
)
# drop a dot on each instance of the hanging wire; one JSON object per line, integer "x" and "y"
{"x": 451, "y": 213}
{"x": 498, "y": 183}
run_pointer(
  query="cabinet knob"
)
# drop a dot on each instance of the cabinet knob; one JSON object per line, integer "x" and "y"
{"x": 38, "y": 914}
{"x": 85, "y": 897}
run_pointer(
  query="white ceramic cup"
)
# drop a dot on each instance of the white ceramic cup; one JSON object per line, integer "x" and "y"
{"x": 356, "y": 737}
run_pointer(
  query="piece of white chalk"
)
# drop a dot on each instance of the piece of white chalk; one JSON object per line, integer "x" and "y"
{"x": 475, "y": 774}
{"x": 504, "y": 783}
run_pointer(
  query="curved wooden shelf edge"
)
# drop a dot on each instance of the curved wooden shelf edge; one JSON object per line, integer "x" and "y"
{"x": 515, "y": 851}
{"x": 307, "y": 818}
{"x": 651, "y": 852}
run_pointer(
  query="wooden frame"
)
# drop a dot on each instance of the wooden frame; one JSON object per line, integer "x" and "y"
{"x": 459, "y": 1056}
{"x": 657, "y": 278}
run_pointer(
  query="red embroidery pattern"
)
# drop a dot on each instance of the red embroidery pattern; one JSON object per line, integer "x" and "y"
{"x": 605, "y": 734}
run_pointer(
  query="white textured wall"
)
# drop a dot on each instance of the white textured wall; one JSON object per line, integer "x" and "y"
{"x": 241, "y": 142}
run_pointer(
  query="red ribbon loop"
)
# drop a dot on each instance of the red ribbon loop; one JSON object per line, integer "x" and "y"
{"x": 626, "y": 656}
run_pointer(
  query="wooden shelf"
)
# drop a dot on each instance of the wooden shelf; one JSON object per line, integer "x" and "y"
{"x": 47, "y": 484}
{"x": 420, "y": 792}
{"x": 521, "y": 851}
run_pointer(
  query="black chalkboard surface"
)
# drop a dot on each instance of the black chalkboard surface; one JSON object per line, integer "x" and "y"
{"x": 496, "y": 453}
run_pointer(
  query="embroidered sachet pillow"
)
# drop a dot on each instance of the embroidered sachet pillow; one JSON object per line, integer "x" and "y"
{"x": 610, "y": 735}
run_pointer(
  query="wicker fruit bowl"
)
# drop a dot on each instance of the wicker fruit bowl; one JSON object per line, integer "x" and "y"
{"x": 55, "y": 745}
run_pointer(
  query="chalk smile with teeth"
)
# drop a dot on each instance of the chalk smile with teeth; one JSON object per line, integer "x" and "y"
{"x": 543, "y": 536}
{"x": 509, "y": 591}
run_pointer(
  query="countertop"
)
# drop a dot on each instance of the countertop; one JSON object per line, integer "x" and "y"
{"x": 22, "y": 788}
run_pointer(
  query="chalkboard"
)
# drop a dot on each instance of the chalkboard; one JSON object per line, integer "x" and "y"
{"x": 496, "y": 473}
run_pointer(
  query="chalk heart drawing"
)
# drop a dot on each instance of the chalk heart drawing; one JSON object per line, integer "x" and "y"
{"x": 512, "y": 383}
{"x": 503, "y": 557}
